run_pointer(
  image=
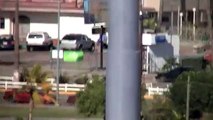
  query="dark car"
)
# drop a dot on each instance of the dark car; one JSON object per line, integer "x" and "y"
{"x": 77, "y": 42}
{"x": 6, "y": 42}
{"x": 171, "y": 75}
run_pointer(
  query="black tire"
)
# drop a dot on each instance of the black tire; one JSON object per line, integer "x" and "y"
{"x": 92, "y": 48}
{"x": 29, "y": 48}
{"x": 50, "y": 47}
{"x": 80, "y": 47}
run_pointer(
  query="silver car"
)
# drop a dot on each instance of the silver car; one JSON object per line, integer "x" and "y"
{"x": 77, "y": 42}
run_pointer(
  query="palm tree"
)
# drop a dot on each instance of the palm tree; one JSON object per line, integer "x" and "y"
{"x": 35, "y": 77}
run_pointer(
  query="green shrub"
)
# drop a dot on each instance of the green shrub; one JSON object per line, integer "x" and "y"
{"x": 82, "y": 80}
{"x": 91, "y": 101}
{"x": 64, "y": 78}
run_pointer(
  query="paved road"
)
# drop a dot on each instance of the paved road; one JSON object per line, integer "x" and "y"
{"x": 28, "y": 59}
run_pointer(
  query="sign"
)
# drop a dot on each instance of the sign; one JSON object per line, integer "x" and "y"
{"x": 55, "y": 54}
{"x": 160, "y": 39}
{"x": 73, "y": 56}
{"x": 95, "y": 11}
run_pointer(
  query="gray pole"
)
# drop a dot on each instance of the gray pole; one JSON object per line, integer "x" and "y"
{"x": 123, "y": 65}
{"x": 17, "y": 36}
{"x": 178, "y": 21}
{"x": 188, "y": 98}
{"x": 58, "y": 49}
{"x": 172, "y": 22}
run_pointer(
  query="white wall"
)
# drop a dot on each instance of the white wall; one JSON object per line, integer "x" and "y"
{"x": 48, "y": 22}
{"x": 160, "y": 52}
{"x": 68, "y": 24}
{"x": 6, "y": 30}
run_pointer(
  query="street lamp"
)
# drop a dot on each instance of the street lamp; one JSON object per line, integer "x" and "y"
{"x": 58, "y": 50}
{"x": 181, "y": 23}
{"x": 194, "y": 15}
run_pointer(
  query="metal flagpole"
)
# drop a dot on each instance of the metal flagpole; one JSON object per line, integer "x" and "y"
{"x": 58, "y": 50}
{"x": 123, "y": 64}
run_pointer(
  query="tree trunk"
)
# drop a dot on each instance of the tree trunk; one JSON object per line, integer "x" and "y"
{"x": 197, "y": 22}
{"x": 30, "y": 109}
{"x": 160, "y": 13}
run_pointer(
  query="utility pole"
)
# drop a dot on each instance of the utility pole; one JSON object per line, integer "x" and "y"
{"x": 188, "y": 98}
{"x": 123, "y": 64}
{"x": 17, "y": 36}
{"x": 172, "y": 22}
{"x": 194, "y": 22}
{"x": 101, "y": 46}
{"x": 181, "y": 24}
{"x": 58, "y": 51}
{"x": 178, "y": 21}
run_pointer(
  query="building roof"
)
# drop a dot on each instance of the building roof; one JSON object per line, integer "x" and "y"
{"x": 71, "y": 6}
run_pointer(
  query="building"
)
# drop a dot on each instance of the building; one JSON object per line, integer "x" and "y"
{"x": 171, "y": 6}
{"x": 42, "y": 15}
{"x": 158, "y": 48}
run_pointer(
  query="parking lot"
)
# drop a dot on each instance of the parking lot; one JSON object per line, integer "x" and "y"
{"x": 43, "y": 57}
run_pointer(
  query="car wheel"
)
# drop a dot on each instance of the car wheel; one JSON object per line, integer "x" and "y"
{"x": 80, "y": 47}
{"x": 92, "y": 48}
{"x": 29, "y": 48}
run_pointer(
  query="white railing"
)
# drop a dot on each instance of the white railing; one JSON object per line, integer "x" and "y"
{"x": 7, "y": 83}
{"x": 156, "y": 90}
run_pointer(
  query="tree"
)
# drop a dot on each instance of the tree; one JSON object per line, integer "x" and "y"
{"x": 32, "y": 77}
{"x": 91, "y": 101}
{"x": 201, "y": 95}
{"x": 170, "y": 64}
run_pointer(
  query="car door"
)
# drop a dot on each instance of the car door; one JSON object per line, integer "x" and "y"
{"x": 86, "y": 42}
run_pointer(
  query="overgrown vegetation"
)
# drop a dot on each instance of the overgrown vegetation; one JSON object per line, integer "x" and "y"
{"x": 201, "y": 95}
{"x": 91, "y": 101}
{"x": 170, "y": 64}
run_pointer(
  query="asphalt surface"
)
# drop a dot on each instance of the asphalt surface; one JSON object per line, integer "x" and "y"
{"x": 90, "y": 62}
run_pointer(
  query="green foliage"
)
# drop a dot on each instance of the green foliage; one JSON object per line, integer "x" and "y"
{"x": 19, "y": 118}
{"x": 201, "y": 95}
{"x": 170, "y": 63}
{"x": 159, "y": 108}
{"x": 195, "y": 62}
{"x": 91, "y": 100}
{"x": 35, "y": 75}
{"x": 64, "y": 78}
{"x": 82, "y": 80}
{"x": 149, "y": 23}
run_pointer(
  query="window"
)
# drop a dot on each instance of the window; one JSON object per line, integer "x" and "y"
{"x": 2, "y": 23}
{"x": 72, "y": 37}
{"x": 35, "y": 36}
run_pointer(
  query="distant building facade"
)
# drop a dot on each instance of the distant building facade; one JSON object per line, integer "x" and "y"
{"x": 41, "y": 15}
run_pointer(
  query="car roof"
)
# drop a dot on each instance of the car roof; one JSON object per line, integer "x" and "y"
{"x": 37, "y": 32}
{"x": 75, "y": 34}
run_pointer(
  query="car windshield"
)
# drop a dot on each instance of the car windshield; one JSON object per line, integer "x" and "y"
{"x": 35, "y": 36}
{"x": 72, "y": 37}
{"x": 5, "y": 37}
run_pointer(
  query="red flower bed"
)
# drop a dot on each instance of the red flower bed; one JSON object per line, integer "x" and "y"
{"x": 8, "y": 95}
{"x": 23, "y": 97}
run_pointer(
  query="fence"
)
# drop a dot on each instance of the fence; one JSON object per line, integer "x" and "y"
{"x": 7, "y": 83}
{"x": 156, "y": 90}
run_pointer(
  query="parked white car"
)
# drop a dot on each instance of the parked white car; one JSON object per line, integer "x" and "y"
{"x": 38, "y": 39}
